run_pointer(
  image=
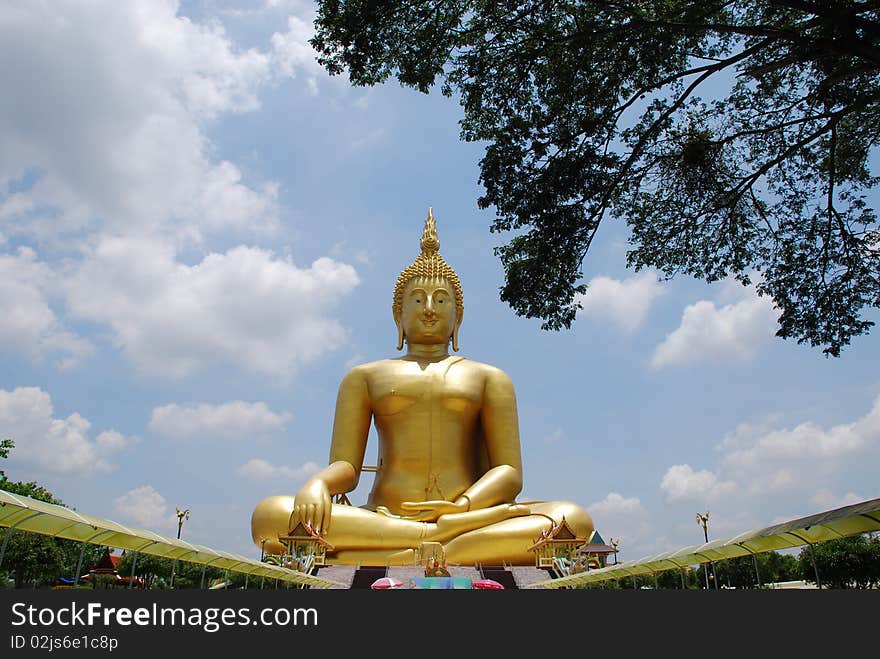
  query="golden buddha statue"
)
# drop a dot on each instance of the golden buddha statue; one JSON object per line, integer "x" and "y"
{"x": 449, "y": 451}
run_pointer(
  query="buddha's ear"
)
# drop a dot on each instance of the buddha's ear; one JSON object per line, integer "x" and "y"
{"x": 455, "y": 332}
{"x": 399, "y": 332}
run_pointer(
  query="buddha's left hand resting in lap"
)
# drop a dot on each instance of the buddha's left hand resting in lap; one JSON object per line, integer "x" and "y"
{"x": 449, "y": 451}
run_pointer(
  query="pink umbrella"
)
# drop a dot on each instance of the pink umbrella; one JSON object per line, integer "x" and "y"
{"x": 487, "y": 584}
{"x": 386, "y": 583}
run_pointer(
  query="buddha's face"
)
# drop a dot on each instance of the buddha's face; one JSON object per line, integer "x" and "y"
{"x": 428, "y": 314}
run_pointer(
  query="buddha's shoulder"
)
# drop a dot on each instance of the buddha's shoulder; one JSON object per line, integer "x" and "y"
{"x": 487, "y": 370}
{"x": 392, "y": 365}
{"x": 370, "y": 369}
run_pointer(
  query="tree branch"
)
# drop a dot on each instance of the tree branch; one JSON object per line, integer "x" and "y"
{"x": 827, "y": 11}
{"x": 644, "y": 137}
{"x": 850, "y": 46}
{"x": 746, "y": 182}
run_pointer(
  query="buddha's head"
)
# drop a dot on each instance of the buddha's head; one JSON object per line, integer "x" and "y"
{"x": 428, "y": 306}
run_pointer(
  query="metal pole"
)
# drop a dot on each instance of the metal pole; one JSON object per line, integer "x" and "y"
{"x": 656, "y": 585}
{"x": 204, "y": 567}
{"x": 703, "y": 520}
{"x": 262, "y": 579}
{"x": 635, "y": 586}
{"x": 79, "y": 564}
{"x": 173, "y": 570}
{"x": 246, "y": 575}
{"x": 815, "y": 569}
{"x": 757, "y": 573}
{"x": 134, "y": 558}
{"x": 6, "y": 535}
{"x": 681, "y": 572}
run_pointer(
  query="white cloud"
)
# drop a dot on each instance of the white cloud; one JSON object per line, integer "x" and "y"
{"x": 292, "y": 53}
{"x": 733, "y": 332}
{"x": 28, "y": 325}
{"x": 297, "y": 6}
{"x": 826, "y": 500}
{"x": 261, "y": 470}
{"x": 622, "y": 518}
{"x": 111, "y": 441}
{"x": 626, "y": 302}
{"x": 617, "y": 504}
{"x": 749, "y": 447}
{"x": 56, "y": 445}
{"x": 144, "y": 506}
{"x": 236, "y": 419}
{"x": 110, "y": 149}
{"x": 362, "y": 102}
{"x": 244, "y": 306}
{"x": 113, "y": 134}
{"x": 799, "y": 469}
{"x": 681, "y": 482}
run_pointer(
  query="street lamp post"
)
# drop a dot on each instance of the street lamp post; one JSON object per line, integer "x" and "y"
{"x": 614, "y": 542}
{"x": 181, "y": 515}
{"x": 703, "y": 520}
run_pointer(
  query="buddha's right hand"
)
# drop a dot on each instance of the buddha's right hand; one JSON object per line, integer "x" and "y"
{"x": 312, "y": 506}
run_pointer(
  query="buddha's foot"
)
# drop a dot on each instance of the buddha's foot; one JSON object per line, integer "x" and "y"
{"x": 450, "y": 526}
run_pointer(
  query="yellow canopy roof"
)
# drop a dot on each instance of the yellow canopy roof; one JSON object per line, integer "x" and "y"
{"x": 28, "y": 514}
{"x": 838, "y": 523}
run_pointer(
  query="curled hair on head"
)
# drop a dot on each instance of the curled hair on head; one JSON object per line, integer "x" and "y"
{"x": 429, "y": 265}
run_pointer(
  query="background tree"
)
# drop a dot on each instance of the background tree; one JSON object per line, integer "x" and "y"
{"x": 852, "y": 562}
{"x": 772, "y": 566}
{"x": 153, "y": 570}
{"x": 156, "y": 573}
{"x": 736, "y": 573}
{"x": 671, "y": 579}
{"x": 32, "y": 559}
{"x": 776, "y": 567}
{"x": 593, "y": 108}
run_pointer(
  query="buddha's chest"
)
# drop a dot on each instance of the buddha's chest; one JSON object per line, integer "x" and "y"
{"x": 412, "y": 390}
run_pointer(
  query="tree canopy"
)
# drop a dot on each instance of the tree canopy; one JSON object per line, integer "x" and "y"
{"x": 30, "y": 489}
{"x": 851, "y": 562}
{"x": 31, "y": 558}
{"x": 733, "y": 137}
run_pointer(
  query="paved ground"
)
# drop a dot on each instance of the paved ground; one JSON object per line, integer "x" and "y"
{"x": 341, "y": 573}
{"x": 523, "y": 576}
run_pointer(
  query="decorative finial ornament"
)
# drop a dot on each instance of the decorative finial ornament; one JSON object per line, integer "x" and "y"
{"x": 430, "y": 242}
{"x": 428, "y": 265}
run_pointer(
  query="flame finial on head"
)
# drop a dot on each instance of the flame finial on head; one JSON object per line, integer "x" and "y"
{"x": 429, "y": 265}
{"x": 430, "y": 242}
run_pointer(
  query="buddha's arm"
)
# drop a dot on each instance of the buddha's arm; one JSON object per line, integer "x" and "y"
{"x": 351, "y": 427}
{"x": 503, "y": 481}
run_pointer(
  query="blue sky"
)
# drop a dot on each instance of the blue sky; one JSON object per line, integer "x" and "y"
{"x": 200, "y": 233}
